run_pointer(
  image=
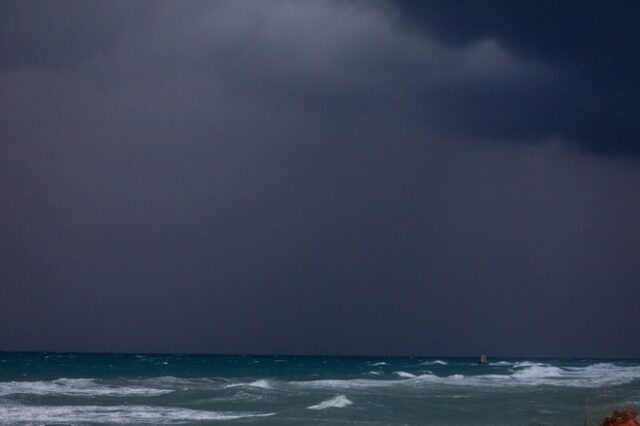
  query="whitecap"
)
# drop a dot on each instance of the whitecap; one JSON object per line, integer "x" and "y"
{"x": 436, "y": 362}
{"x": 535, "y": 374}
{"x": 350, "y": 383}
{"x": 76, "y": 387}
{"x": 601, "y": 374}
{"x": 260, "y": 383}
{"x": 339, "y": 401}
{"x": 120, "y": 414}
{"x": 522, "y": 364}
{"x": 265, "y": 384}
{"x": 538, "y": 372}
{"x": 376, "y": 364}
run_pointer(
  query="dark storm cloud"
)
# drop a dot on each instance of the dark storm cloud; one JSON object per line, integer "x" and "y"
{"x": 301, "y": 177}
{"x": 61, "y": 34}
{"x": 593, "y": 46}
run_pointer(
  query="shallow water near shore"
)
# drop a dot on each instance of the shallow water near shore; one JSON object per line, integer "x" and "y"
{"x": 53, "y": 389}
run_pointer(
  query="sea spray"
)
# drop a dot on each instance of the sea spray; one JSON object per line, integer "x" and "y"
{"x": 339, "y": 401}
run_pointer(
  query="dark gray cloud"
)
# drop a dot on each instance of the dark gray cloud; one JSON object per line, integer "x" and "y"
{"x": 593, "y": 46}
{"x": 300, "y": 177}
{"x": 62, "y": 34}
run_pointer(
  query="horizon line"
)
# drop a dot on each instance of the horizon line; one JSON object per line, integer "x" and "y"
{"x": 306, "y": 355}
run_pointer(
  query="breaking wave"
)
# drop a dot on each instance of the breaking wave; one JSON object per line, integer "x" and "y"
{"x": 522, "y": 374}
{"x": 539, "y": 372}
{"x": 262, "y": 383}
{"x": 436, "y": 362}
{"x": 339, "y": 401}
{"x": 529, "y": 374}
{"x": 76, "y": 387}
{"x": 121, "y": 414}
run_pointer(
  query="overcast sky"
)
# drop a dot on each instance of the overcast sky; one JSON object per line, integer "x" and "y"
{"x": 320, "y": 177}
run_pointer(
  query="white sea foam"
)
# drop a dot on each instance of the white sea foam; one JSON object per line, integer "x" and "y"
{"x": 76, "y": 387}
{"x": 521, "y": 374}
{"x": 339, "y": 401}
{"x": 602, "y": 374}
{"x": 521, "y": 364}
{"x": 538, "y": 372}
{"x": 121, "y": 414}
{"x": 376, "y": 364}
{"x": 261, "y": 383}
{"x": 529, "y": 374}
{"x": 436, "y": 362}
{"x": 353, "y": 383}
{"x": 265, "y": 384}
{"x": 501, "y": 363}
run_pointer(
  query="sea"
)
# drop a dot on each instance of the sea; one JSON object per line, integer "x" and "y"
{"x": 144, "y": 389}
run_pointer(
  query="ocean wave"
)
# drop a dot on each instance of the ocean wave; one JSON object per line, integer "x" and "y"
{"x": 525, "y": 373}
{"x": 339, "y": 401}
{"x": 330, "y": 384}
{"x": 240, "y": 396}
{"x": 178, "y": 382}
{"x": 261, "y": 383}
{"x": 376, "y": 364}
{"x": 198, "y": 383}
{"x": 436, "y": 362}
{"x": 532, "y": 374}
{"x": 121, "y": 414}
{"x": 602, "y": 374}
{"x": 538, "y": 372}
{"x": 76, "y": 387}
{"x": 522, "y": 364}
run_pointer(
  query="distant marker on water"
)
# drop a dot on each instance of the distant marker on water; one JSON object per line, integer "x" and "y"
{"x": 483, "y": 359}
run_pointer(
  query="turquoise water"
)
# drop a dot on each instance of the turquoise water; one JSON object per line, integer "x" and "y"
{"x": 49, "y": 388}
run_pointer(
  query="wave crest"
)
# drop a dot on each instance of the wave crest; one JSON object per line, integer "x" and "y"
{"x": 339, "y": 401}
{"x": 76, "y": 387}
{"x": 436, "y": 362}
{"x": 530, "y": 374}
{"x": 405, "y": 374}
{"x": 260, "y": 383}
{"x": 120, "y": 414}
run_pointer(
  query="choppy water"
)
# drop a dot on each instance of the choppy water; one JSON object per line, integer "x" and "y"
{"x": 47, "y": 388}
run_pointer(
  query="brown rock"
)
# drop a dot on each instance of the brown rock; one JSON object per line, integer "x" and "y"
{"x": 622, "y": 418}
